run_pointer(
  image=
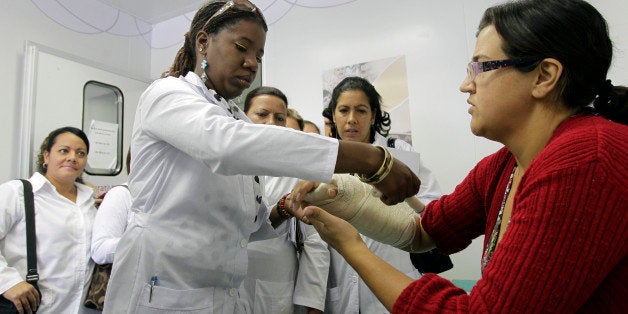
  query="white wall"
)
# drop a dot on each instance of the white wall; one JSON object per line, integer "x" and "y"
{"x": 21, "y": 21}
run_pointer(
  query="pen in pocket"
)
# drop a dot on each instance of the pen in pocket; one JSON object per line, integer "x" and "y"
{"x": 153, "y": 282}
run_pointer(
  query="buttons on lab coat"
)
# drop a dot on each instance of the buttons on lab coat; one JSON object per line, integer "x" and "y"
{"x": 233, "y": 292}
{"x": 243, "y": 243}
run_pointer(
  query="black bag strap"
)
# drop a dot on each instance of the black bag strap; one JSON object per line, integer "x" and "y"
{"x": 31, "y": 247}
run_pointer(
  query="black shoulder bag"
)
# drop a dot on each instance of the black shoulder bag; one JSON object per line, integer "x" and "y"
{"x": 32, "y": 276}
{"x": 432, "y": 261}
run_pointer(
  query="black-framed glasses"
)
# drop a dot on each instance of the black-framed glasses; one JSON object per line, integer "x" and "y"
{"x": 475, "y": 68}
{"x": 238, "y": 5}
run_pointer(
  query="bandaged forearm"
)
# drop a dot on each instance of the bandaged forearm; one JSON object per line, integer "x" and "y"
{"x": 355, "y": 203}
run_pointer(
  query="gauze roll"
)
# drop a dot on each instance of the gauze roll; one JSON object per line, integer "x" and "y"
{"x": 356, "y": 203}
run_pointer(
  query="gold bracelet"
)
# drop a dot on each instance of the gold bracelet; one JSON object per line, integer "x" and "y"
{"x": 383, "y": 170}
{"x": 385, "y": 174}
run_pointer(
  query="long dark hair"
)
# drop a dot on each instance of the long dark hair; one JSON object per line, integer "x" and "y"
{"x": 570, "y": 31}
{"x": 185, "y": 60}
{"x": 50, "y": 140}
{"x": 382, "y": 118}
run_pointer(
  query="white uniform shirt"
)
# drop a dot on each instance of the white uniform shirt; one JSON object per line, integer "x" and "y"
{"x": 311, "y": 283}
{"x": 346, "y": 292}
{"x": 269, "y": 282}
{"x": 193, "y": 197}
{"x": 269, "y": 286}
{"x": 63, "y": 232}
{"x": 112, "y": 217}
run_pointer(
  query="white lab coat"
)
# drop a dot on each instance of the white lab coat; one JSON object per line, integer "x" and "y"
{"x": 194, "y": 198}
{"x": 346, "y": 292}
{"x": 63, "y": 232}
{"x": 311, "y": 283}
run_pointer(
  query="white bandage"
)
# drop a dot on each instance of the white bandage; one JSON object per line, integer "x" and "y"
{"x": 355, "y": 203}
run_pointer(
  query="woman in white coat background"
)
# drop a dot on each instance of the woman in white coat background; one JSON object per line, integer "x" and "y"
{"x": 196, "y": 158}
{"x": 269, "y": 283}
{"x": 357, "y": 115}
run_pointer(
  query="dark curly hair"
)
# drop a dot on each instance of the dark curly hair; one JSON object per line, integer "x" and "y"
{"x": 50, "y": 140}
{"x": 382, "y": 118}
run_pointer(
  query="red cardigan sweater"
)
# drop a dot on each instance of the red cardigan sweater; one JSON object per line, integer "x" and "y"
{"x": 565, "y": 247}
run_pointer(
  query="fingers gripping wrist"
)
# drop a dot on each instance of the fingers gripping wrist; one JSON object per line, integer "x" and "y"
{"x": 355, "y": 203}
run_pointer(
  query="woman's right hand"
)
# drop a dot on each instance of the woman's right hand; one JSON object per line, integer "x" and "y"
{"x": 356, "y": 157}
{"x": 399, "y": 184}
{"x": 24, "y": 296}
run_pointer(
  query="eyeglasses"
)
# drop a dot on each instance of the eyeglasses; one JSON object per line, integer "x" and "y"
{"x": 238, "y": 5}
{"x": 475, "y": 68}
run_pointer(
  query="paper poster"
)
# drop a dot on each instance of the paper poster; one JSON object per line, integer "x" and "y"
{"x": 103, "y": 140}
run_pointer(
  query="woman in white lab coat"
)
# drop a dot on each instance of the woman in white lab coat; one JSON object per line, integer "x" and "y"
{"x": 357, "y": 115}
{"x": 64, "y": 214}
{"x": 269, "y": 285}
{"x": 196, "y": 158}
{"x": 269, "y": 282}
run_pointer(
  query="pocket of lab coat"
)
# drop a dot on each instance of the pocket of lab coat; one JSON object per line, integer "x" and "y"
{"x": 273, "y": 297}
{"x": 188, "y": 301}
{"x": 334, "y": 304}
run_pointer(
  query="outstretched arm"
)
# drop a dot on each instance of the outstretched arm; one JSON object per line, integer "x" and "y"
{"x": 354, "y": 157}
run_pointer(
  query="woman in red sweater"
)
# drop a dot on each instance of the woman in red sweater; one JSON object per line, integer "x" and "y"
{"x": 552, "y": 203}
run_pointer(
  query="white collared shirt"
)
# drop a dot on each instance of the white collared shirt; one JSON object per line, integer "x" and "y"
{"x": 63, "y": 232}
{"x": 112, "y": 217}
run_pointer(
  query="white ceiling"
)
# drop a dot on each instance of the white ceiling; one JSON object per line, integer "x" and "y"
{"x": 160, "y": 22}
{"x": 155, "y": 11}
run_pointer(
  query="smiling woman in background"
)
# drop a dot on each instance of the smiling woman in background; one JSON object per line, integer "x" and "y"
{"x": 64, "y": 214}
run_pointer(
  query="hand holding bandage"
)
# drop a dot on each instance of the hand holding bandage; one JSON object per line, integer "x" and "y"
{"x": 356, "y": 203}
